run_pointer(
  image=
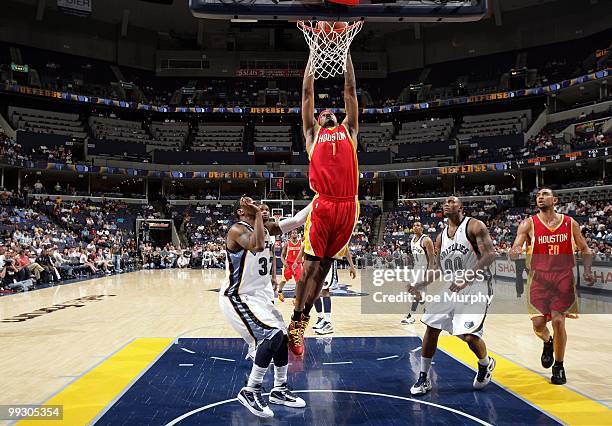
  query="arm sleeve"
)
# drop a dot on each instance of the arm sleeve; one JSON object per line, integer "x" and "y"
{"x": 287, "y": 225}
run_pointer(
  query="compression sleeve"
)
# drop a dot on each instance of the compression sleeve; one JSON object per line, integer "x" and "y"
{"x": 289, "y": 224}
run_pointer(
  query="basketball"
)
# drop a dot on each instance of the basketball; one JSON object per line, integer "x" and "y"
{"x": 329, "y": 26}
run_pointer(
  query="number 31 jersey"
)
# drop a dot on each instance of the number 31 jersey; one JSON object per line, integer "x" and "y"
{"x": 247, "y": 272}
{"x": 458, "y": 253}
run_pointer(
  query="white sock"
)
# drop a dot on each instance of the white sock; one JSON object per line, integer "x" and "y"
{"x": 425, "y": 365}
{"x": 328, "y": 316}
{"x": 320, "y": 315}
{"x": 280, "y": 376}
{"x": 256, "y": 376}
{"x": 484, "y": 361}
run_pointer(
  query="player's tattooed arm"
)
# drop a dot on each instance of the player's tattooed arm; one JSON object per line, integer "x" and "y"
{"x": 585, "y": 252}
{"x": 522, "y": 237}
{"x": 484, "y": 242}
{"x": 351, "y": 105}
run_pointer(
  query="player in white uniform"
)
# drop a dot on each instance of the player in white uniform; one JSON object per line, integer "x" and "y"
{"x": 465, "y": 251}
{"x": 245, "y": 301}
{"x": 422, "y": 249}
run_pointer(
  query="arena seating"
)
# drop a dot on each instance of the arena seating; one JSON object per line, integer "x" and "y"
{"x": 218, "y": 137}
{"x": 172, "y": 133}
{"x": 273, "y": 138}
{"x": 504, "y": 123}
{"x": 89, "y": 219}
{"x": 205, "y": 223}
{"x": 376, "y": 137}
{"x": 40, "y": 121}
{"x": 424, "y": 131}
{"x": 113, "y": 129}
{"x": 361, "y": 234}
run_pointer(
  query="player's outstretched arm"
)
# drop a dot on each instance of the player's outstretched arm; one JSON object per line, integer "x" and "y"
{"x": 585, "y": 252}
{"x": 308, "y": 108}
{"x": 350, "y": 99}
{"x": 289, "y": 224}
{"x": 522, "y": 236}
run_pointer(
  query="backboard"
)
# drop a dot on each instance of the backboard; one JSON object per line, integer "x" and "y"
{"x": 370, "y": 10}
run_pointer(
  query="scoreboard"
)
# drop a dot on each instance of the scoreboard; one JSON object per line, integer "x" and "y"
{"x": 277, "y": 184}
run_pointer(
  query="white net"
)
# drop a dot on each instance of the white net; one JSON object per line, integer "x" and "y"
{"x": 329, "y": 44}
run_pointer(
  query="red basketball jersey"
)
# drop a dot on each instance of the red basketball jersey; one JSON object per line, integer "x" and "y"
{"x": 552, "y": 249}
{"x": 333, "y": 167}
{"x": 293, "y": 249}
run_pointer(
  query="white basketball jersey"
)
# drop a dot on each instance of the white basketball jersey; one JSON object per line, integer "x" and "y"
{"x": 247, "y": 272}
{"x": 458, "y": 253}
{"x": 419, "y": 255}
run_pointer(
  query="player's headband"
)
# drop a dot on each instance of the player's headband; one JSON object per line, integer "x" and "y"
{"x": 325, "y": 111}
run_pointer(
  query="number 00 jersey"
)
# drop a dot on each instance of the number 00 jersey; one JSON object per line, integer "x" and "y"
{"x": 247, "y": 272}
{"x": 458, "y": 253}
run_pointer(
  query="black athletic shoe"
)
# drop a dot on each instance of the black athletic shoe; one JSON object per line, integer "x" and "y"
{"x": 251, "y": 399}
{"x": 483, "y": 377}
{"x": 548, "y": 354}
{"x": 422, "y": 386}
{"x": 558, "y": 375}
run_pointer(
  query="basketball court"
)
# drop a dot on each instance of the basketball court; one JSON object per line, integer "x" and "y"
{"x": 152, "y": 347}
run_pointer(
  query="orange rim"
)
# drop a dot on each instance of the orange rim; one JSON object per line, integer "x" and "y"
{"x": 315, "y": 30}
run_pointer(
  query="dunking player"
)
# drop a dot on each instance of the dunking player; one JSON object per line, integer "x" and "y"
{"x": 323, "y": 303}
{"x": 551, "y": 241}
{"x": 334, "y": 176}
{"x": 292, "y": 262}
{"x": 465, "y": 251}
{"x": 423, "y": 259}
{"x": 244, "y": 299}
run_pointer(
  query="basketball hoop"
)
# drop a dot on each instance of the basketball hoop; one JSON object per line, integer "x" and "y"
{"x": 329, "y": 44}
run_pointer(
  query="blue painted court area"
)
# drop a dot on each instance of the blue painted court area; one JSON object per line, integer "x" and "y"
{"x": 348, "y": 380}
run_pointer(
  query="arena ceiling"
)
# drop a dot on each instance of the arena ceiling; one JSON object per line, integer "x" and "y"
{"x": 178, "y": 18}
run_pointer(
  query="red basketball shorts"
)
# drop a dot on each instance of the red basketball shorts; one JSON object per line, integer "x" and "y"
{"x": 330, "y": 225}
{"x": 552, "y": 291}
{"x": 294, "y": 272}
